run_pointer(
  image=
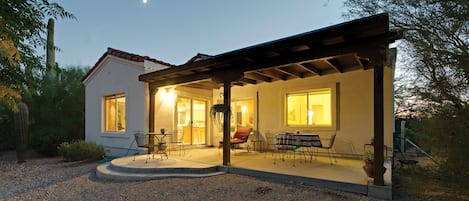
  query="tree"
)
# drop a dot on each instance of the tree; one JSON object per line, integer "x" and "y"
{"x": 436, "y": 78}
{"x": 22, "y": 26}
{"x": 435, "y": 44}
{"x": 57, "y": 110}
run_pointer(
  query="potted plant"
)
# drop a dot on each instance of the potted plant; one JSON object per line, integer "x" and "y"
{"x": 217, "y": 111}
{"x": 369, "y": 166}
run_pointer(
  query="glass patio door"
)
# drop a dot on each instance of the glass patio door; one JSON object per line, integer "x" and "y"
{"x": 191, "y": 120}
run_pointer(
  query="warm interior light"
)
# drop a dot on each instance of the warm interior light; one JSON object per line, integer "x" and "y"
{"x": 310, "y": 116}
{"x": 168, "y": 95}
{"x": 244, "y": 108}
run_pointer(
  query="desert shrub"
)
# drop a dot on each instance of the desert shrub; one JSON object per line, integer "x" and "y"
{"x": 45, "y": 140}
{"x": 445, "y": 136}
{"x": 81, "y": 150}
{"x": 7, "y": 134}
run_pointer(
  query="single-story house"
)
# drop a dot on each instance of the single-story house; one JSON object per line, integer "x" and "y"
{"x": 332, "y": 80}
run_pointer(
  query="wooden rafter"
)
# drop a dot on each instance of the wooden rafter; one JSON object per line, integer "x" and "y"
{"x": 310, "y": 67}
{"x": 288, "y": 71}
{"x": 181, "y": 80}
{"x": 257, "y": 76}
{"x": 273, "y": 74}
{"x": 334, "y": 63}
{"x": 365, "y": 63}
{"x": 247, "y": 80}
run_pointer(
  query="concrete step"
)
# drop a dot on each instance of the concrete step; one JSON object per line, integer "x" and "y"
{"x": 126, "y": 169}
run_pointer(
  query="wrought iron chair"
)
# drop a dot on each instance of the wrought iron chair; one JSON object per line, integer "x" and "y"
{"x": 143, "y": 142}
{"x": 284, "y": 145}
{"x": 329, "y": 147}
{"x": 180, "y": 142}
{"x": 270, "y": 141}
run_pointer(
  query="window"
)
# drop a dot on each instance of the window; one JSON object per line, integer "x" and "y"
{"x": 114, "y": 113}
{"x": 309, "y": 108}
{"x": 244, "y": 111}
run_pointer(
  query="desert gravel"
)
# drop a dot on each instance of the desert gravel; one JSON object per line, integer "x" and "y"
{"x": 53, "y": 179}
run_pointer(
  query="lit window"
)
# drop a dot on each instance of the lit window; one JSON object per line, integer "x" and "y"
{"x": 244, "y": 113}
{"x": 114, "y": 113}
{"x": 310, "y": 108}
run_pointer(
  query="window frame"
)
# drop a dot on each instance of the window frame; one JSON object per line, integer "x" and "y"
{"x": 104, "y": 117}
{"x": 333, "y": 87}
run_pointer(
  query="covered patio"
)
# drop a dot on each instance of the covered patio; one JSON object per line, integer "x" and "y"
{"x": 352, "y": 56}
{"x": 346, "y": 174}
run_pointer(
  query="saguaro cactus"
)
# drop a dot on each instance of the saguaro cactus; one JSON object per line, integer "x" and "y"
{"x": 21, "y": 120}
{"x": 50, "y": 52}
{"x": 51, "y": 66}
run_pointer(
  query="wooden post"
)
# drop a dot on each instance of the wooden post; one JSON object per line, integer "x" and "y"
{"x": 151, "y": 117}
{"x": 226, "y": 122}
{"x": 378, "y": 122}
{"x": 226, "y": 77}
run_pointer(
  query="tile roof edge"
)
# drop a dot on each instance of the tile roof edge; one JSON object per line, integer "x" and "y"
{"x": 124, "y": 55}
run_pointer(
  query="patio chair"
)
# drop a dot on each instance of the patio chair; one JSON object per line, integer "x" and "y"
{"x": 283, "y": 146}
{"x": 270, "y": 141}
{"x": 143, "y": 142}
{"x": 240, "y": 136}
{"x": 329, "y": 147}
{"x": 180, "y": 142}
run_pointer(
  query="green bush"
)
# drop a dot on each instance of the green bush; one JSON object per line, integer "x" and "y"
{"x": 7, "y": 133}
{"x": 46, "y": 140}
{"x": 81, "y": 150}
{"x": 445, "y": 136}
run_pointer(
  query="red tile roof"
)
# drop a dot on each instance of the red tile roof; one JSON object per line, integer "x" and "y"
{"x": 124, "y": 55}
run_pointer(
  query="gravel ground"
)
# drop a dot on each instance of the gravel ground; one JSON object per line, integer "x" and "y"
{"x": 53, "y": 179}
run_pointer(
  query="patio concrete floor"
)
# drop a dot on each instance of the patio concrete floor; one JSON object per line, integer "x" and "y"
{"x": 345, "y": 170}
{"x": 347, "y": 174}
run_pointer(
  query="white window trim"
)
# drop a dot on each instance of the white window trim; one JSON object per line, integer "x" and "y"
{"x": 104, "y": 132}
{"x": 334, "y": 106}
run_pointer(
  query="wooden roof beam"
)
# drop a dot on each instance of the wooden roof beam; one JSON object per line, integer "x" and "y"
{"x": 290, "y": 72}
{"x": 334, "y": 63}
{"x": 257, "y": 76}
{"x": 247, "y": 80}
{"x": 371, "y": 51}
{"x": 181, "y": 80}
{"x": 237, "y": 83}
{"x": 203, "y": 85}
{"x": 272, "y": 74}
{"x": 364, "y": 62}
{"x": 310, "y": 68}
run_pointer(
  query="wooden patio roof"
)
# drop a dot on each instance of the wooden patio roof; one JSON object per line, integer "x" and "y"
{"x": 344, "y": 47}
{"x": 353, "y": 45}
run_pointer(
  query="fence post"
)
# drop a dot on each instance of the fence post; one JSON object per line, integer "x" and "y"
{"x": 402, "y": 136}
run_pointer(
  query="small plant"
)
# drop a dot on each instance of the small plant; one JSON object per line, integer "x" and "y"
{"x": 369, "y": 157}
{"x": 81, "y": 150}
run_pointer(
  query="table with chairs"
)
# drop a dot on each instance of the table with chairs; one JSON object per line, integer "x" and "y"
{"x": 155, "y": 143}
{"x": 304, "y": 143}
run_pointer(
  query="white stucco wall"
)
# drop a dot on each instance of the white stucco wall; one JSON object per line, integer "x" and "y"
{"x": 113, "y": 76}
{"x": 354, "y": 125}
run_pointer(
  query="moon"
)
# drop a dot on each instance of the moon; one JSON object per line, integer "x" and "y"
{"x": 144, "y": 1}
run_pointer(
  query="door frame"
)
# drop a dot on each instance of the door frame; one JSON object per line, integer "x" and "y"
{"x": 176, "y": 116}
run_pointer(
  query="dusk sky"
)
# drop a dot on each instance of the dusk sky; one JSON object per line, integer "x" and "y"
{"x": 175, "y": 30}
